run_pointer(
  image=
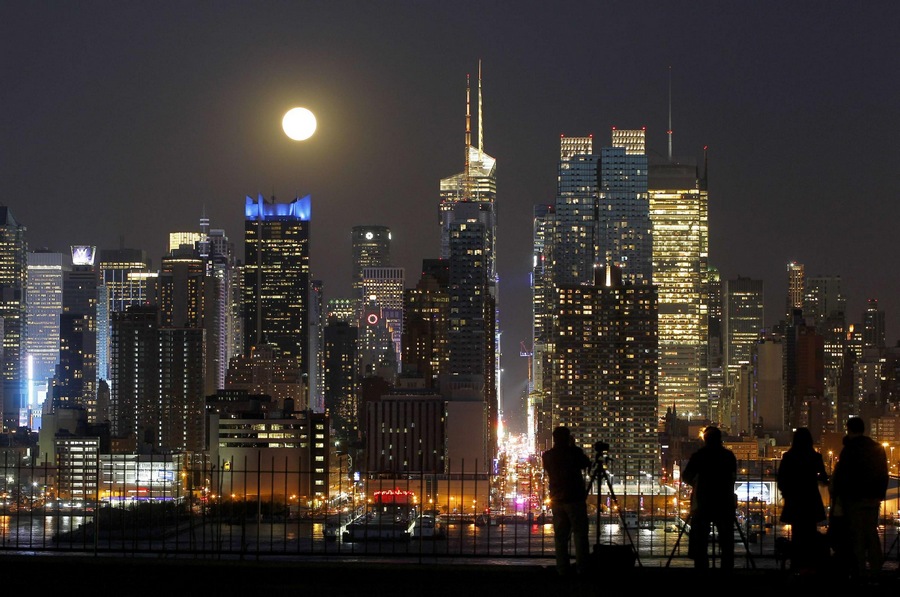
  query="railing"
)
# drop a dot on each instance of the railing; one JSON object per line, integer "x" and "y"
{"x": 469, "y": 516}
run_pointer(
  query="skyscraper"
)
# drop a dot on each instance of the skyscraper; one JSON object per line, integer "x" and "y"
{"x": 624, "y": 226}
{"x": 13, "y": 284}
{"x": 573, "y": 237}
{"x": 742, "y": 322}
{"x": 134, "y": 377}
{"x": 426, "y": 314}
{"x": 124, "y": 275}
{"x": 371, "y": 247}
{"x": 467, "y": 214}
{"x": 76, "y": 380}
{"x": 276, "y": 277}
{"x": 679, "y": 213}
{"x": 873, "y": 325}
{"x": 538, "y": 415}
{"x": 44, "y": 300}
{"x": 384, "y": 286}
{"x": 796, "y": 288}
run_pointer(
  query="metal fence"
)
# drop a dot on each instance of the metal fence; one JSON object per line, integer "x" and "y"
{"x": 458, "y": 515}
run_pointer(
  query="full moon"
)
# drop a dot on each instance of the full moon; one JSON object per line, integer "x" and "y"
{"x": 299, "y": 124}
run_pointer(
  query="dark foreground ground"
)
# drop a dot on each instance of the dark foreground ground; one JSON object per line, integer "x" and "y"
{"x": 51, "y": 574}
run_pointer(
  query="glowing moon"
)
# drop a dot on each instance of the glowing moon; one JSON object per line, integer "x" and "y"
{"x": 299, "y": 124}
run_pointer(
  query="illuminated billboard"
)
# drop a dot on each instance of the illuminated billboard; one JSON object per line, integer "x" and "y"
{"x": 83, "y": 254}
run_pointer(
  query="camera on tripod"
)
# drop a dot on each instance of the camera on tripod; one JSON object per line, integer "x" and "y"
{"x": 601, "y": 451}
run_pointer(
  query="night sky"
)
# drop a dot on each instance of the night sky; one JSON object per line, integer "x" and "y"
{"x": 123, "y": 121}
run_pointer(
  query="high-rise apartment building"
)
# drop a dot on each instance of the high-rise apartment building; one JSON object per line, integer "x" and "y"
{"x": 13, "y": 285}
{"x": 606, "y": 370}
{"x": 276, "y": 277}
{"x": 339, "y": 380}
{"x": 680, "y": 216}
{"x": 134, "y": 377}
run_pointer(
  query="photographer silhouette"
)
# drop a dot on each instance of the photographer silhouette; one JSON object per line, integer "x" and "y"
{"x": 565, "y": 464}
{"x": 711, "y": 471}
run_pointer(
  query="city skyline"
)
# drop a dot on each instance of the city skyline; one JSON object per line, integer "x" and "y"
{"x": 122, "y": 125}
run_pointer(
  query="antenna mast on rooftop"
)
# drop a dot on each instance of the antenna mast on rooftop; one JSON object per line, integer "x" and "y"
{"x": 480, "y": 119}
{"x": 670, "y": 114}
{"x": 466, "y": 172}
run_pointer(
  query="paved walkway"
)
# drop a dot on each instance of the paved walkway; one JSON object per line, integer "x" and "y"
{"x": 156, "y": 576}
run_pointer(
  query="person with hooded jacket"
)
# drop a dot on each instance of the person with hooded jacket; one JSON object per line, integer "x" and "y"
{"x": 711, "y": 471}
{"x": 858, "y": 486}
{"x": 801, "y": 473}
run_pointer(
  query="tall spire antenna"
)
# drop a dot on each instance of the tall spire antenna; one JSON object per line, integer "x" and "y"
{"x": 670, "y": 113}
{"x": 480, "y": 119}
{"x": 466, "y": 172}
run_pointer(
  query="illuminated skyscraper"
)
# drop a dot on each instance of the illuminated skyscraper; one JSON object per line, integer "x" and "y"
{"x": 540, "y": 348}
{"x": 13, "y": 284}
{"x": 371, "y": 248}
{"x": 574, "y": 234}
{"x": 873, "y": 325}
{"x": 624, "y": 227}
{"x": 44, "y": 301}
{"x": 124, "y": 279}
{"x": 679, "y": 213}
{"x": 384, "y": 286}
{"x": 468, "y": 240}
{"x": 76, "y": 379}
{"x": 796, "y": 288}
{"x": 225, "y": 311}
{"x": 276, "y": 277}
{"x": 742, "y": 322}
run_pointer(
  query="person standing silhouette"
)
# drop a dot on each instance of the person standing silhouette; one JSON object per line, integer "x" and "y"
{"x": 858, "y": 486}
{"x": 565, "y": 464}
{"x": 711, "y": 471}
{"x": 801, "y": 472}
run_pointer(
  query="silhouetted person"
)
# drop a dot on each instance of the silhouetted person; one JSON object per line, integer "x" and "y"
{"x": 859, "y": 485}
{"x": 565, "y": 464}
{"x": 801, "y": 472}
{"x": 711, "y": 471}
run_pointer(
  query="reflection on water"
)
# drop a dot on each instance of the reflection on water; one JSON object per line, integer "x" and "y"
{"x": 32, "y": 530}
{"x": 299, "y": 537}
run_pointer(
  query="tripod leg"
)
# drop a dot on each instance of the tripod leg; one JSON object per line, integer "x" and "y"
{"x": 615, "y": 500}
{"x": 683, "y": 526}
{"x": 740, "y": 531}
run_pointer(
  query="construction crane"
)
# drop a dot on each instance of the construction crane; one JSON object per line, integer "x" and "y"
{"x": 524, "y": 352}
